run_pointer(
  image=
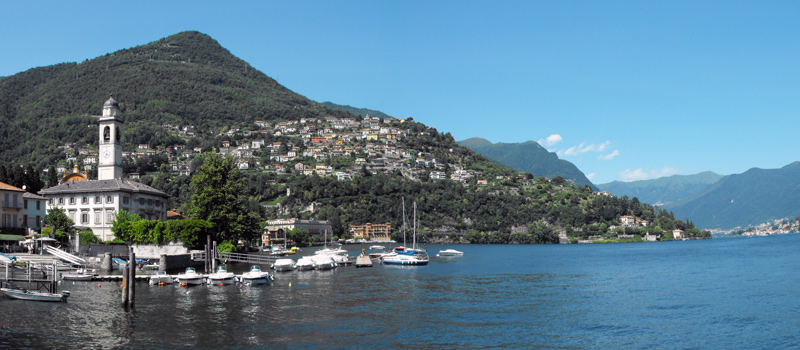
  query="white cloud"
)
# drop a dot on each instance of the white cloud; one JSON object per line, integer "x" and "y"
{"x": 551, "y": 140}
{"x": 628, "y": 175}
{"x": 583, "y": 148}
{"x": 609, "y": 156}
{"x": 590, "y": 175}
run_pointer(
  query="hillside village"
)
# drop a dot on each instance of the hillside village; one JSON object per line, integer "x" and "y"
{"x": 329, "y": 147}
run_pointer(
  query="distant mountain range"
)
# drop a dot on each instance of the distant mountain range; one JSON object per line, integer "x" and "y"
{"x": 663, "y": 190}
{"x": 529, "y": 157}
{"x": 753, "y": 197}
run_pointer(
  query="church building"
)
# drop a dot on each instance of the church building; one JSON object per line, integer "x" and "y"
{"x": 92, "y": 204}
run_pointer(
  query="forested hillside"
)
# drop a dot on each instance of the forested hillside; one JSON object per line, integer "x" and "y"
{"x": 184, "y": 79}
{"x": 529, "y": 157}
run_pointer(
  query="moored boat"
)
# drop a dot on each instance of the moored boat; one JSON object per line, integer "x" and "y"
{"x": 450, "y": 252}
{"x": 190, "y": 277}
{"x": 221, "y": 277}
{"x": 283, "y": 265}
{"x": 305, "y": 263}
{"x": 161, "y": 278}
{"x": 79, "y": 275}
{"x": 324, "y": 262}
{"x": 23, "y": 294}
{"x": 255, "y": 276}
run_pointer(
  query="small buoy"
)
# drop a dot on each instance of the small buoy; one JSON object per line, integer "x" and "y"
{"x": 98, "y": 284}
{"x": 161, "y": 283}
{"x": 122, "y": 286}
{"x": 183, "y": 284}
{"x": 221, "y": 284}
{"x": 290, "y": 284}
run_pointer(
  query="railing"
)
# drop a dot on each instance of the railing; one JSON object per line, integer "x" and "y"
{"x": 238, "y": 257}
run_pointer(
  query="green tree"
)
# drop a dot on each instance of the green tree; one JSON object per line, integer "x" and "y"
{"x": 52, "y": 177}
{"x": 219, "y": 198}
{"x": 62, "y": 225}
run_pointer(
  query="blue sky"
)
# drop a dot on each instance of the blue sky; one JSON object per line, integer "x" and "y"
{"x": 624, "y": 90}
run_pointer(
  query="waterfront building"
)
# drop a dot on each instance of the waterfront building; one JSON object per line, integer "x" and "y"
{"x": 11, "y": 198}
{"x": 92, "y": 204}
{"x": 370, "y": 231}
{"x": 275, "y": 229}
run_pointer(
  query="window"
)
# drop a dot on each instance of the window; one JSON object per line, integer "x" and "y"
{"x": 158, "y": 204}
{"x": 24, "y": 221}
{"x": 38, "y": 221}
{"x": 25, "y": 203}
{"x": 71, "y": 215}
{"x": 125, "y": 200}
{"x": 98, "y": 199}
{"x": 61, "y": 201}
{"x": 85, "y": 200}
{"x": 97, "y": 217}
{"x": 51, "y": 201}
{"x": 149, "y": 202}
{"x": 5, "y": 203}
{"x": 141, "y": 202}
{"x": 71, "y": 200}
{"x": 109, "y": 199}
{"x": 15, "y": 202}
{"x": 38, "y": 205}
{"x": 84, "y": 218}
{"x": 109, "y": 216}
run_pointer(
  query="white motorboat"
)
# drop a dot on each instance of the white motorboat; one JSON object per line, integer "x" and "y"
{"x": 79, "y": 275}
{"x": 450, "y": 252}
{"x": 324, "y": 262}
{"x": 377, "y": 247}
{"x": 283, "y": 265}
{"x": 23, "y": 294}
{"x": 190, "y": 277}
{"x": 305, "y": 263}
{"x": 161, "y": 278}
{"x": 329, "y": 251}
{"x": 255, "y": 276}
{"x": 221, "y": 277}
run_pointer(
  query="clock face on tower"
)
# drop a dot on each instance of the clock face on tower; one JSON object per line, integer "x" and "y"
{"x": 106, "y": 154}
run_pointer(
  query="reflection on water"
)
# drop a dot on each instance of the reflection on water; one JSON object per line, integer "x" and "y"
{"x": 674, "y": 295}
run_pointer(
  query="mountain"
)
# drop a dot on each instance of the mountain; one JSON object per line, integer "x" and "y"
{"x": 357, "y": 111}
{"x": 753, "y": 197}
{"x": 184, "y": 79}
{"x": 663, "y": 190}
{"x": 529, "y": 157}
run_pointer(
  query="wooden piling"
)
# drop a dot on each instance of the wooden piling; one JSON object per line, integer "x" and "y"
{"x": 124, "y": 287}
{"x": 132, "y": 278}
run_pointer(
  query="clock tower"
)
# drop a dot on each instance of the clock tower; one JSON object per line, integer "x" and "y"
{"x": 110, "y": 143}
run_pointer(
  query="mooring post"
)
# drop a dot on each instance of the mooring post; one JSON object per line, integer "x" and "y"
{"x": 125, "y": 281}
{"x": 208, "y": 254}
{"x": 214, "y": 258}
{"x": 132, "y": 278}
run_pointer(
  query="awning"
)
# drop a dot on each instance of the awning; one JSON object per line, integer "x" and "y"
{"x": 15, "y": 238}
{"x": 46, "y": 239}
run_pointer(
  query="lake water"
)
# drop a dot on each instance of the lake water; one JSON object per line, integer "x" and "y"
{"x": 713, "y": 294}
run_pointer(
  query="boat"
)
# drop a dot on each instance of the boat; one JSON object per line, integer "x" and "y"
{"x": 292, "y": 251}
{"x": 324, "y": 262}
{"x": 221, "y": 277}
{"x": 283, "y": 265}
{"x": 407, "y": 256}
{"x": 78, "y": 275}
{"x": 24, "y": 294}
{"x": 161, "y": 278}
{"x": 450, "y": 252}
{"x": 277, "y": 251}
{"x": 255, "y": 276}
{"x": 190, "y": 277}
{"x": 305, "y": 263}
{"x": 329, "y": 251}
{"x": 377, "y": 247}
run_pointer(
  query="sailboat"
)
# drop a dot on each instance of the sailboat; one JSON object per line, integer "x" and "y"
{"x": 404, "y": 255}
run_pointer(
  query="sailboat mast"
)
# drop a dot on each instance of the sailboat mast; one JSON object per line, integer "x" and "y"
{"x": 414, "y": 245}
{"x": 404, "y": 221}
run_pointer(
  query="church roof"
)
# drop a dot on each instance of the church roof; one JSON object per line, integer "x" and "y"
{"x": 94, "y": 186}
{"x": 111, "y": 102}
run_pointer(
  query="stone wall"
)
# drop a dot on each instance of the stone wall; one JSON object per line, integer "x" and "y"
{"x": 151, "y": 251}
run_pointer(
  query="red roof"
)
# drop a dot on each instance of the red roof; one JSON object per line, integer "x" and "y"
{"x": 7, "y": 187}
